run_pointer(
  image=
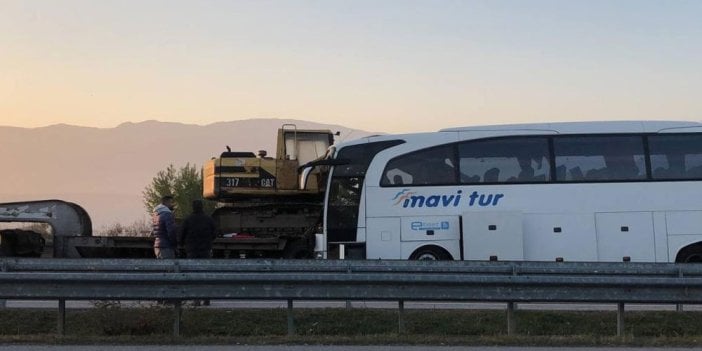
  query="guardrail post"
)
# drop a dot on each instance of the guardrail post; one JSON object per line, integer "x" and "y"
{"x": 342, "y": 256}
{"x": 177, "y": 306}
{"x": 3, "y": 302}
{"x": 61, "y": 326}
{"x": 178, "y": 314}
{"x": 401, "y": 317}
{"x": 511, "y": 307}
{"x": 511, "y": 321}
{"x": 679, "y": 307}
{"x": 291, "y": 320}
{"x": 620, "y": 319}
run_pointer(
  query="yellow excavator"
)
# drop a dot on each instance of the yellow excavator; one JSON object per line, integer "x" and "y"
{"x": 260, "y": 201}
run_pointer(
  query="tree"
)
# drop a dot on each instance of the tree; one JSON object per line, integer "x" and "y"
{"x": 185, "y": 184}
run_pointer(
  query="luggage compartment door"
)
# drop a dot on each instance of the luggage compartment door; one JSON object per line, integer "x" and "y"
{"x": 622, "y": 234}
{"x": 488, "y": 234}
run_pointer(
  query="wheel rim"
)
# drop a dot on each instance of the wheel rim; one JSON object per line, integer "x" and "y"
{"x": 427, "y": 256}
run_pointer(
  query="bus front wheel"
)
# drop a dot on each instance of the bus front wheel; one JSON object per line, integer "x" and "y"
{"x": 690, "y": 254}
{"x": 430, "y": 253}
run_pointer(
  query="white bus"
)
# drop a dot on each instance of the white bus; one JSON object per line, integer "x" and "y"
{"x": 587, "y": 191}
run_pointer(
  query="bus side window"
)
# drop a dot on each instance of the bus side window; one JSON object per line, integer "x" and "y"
{"x": 396, "y": 176}
{"x": 561, "y": 172}
{"x": 669, "y": 166}
{"x": 622, "y": 167}
{"x": 432, "y": 166}
{"x": 695, "y": 168}
{"x": 601, "y": 157}
{"x": 596, "y": 174}
{"x": 466, "y": 179}
{"x": 504, "y": 160}
{"x": 576, "y": 173}
{"x": 676, "y": 156}
{"x": 440, "y": 172}
{"x": 491, "y": 175}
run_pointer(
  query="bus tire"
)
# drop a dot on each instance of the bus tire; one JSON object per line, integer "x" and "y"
{"x": 690, "y": 254}
{"x": 430, "y": 253}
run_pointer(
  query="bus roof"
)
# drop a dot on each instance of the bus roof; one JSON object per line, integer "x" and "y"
{"x": 549, "y": 128}
{"x": 584, "y": 127}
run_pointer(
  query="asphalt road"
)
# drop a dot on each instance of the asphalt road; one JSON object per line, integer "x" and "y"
{"x": 309, "y": 348}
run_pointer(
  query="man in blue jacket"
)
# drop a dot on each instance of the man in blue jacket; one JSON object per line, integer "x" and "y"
{"x": 164, "y": 228}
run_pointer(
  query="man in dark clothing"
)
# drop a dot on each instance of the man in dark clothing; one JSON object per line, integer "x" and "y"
{"x": 197, "y": 233}
{"x": 164, "y": 228}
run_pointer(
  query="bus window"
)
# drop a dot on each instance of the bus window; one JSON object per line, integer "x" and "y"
{"x": 676, "y": 156}
{"x": 507, "y": 160}
{"x": 599, "y": 158}
{"x": 435, "y": 166}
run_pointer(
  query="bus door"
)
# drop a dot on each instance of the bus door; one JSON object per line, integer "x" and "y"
{"x": 486, "y": 234}
{"x": 420, "y": 231}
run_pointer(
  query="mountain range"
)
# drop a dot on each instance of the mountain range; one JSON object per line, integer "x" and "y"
{"x": 105, "y": 170}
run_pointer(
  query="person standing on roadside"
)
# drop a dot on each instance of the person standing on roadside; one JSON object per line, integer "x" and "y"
{"x": 164, "y": 228}
{"x": 197, "y": 233}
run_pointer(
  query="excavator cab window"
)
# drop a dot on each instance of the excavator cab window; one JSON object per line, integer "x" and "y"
{"x": 305, "y": 146}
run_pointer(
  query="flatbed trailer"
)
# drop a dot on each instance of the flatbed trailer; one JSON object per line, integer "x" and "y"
{"x": 71, "y": 236}
{"x": 142, "y": 247}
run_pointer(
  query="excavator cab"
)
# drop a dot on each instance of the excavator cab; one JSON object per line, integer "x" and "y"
{"x": 244, "y": 175}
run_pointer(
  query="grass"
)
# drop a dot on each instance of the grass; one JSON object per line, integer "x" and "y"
{"x": 355, "y": 326}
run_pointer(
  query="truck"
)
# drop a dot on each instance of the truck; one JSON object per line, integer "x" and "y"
{"x": 262, "y": 209}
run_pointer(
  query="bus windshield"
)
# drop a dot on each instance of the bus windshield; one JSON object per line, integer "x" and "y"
{"x": 346, "y": 186}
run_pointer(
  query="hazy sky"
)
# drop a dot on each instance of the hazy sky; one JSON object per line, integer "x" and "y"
{"x": 378, "y": 65}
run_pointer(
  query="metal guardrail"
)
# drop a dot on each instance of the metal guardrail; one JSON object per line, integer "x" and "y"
{"x": 510, "y": 282}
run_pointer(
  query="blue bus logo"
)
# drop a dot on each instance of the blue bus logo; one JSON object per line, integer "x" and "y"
{"x": 409, "y": 199}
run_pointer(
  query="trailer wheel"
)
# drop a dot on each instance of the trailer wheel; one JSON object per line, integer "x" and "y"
{"x": 3, "y": 251}
{"x": 297, "y": 249}
{"x": 430, "y": 253}
{"x": 690, "y": 254}
{"x": 21, "y": 243}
